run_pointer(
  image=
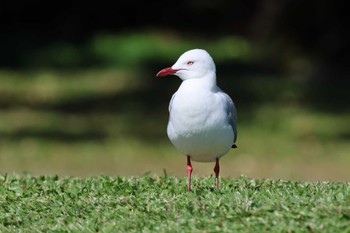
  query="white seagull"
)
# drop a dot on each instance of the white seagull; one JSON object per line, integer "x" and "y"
{"x": 202, "y": 121}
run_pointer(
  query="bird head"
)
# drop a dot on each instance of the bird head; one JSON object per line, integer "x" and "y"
{"x": 195, "y": 63}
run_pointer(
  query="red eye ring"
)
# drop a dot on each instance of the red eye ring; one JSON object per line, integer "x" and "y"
{"x": 190, "y": 63}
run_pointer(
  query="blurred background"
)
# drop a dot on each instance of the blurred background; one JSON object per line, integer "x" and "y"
{"x": 79, "y": 96}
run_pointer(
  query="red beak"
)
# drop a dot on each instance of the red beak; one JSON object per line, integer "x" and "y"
{"x": 166, "y": 71}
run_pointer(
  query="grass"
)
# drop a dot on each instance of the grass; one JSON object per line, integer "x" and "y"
{"x": 162, "y": 204}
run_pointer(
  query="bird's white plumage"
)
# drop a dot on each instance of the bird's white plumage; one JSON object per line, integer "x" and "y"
{"x": 202, "y": 122}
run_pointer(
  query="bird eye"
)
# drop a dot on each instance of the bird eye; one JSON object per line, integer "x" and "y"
{"x": 190, "y": 63}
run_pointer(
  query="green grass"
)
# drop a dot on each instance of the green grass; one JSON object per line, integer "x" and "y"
{"x": 162, "y": 204}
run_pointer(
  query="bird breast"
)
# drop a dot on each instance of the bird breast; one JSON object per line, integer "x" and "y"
{"x": 197, "y": 129}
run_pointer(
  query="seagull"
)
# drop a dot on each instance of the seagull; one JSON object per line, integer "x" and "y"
{"x": 202, "y": 118}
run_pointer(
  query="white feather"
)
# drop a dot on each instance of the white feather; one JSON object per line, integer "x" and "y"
{"x": 202, "y": 122}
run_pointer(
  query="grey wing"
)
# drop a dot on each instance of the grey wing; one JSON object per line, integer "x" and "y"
{"x": 231, "y": 114}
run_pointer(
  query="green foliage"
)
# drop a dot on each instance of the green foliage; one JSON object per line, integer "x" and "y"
{"x": 162, "y": 204}
{"x": 59, "y": 54}
{"x": 133, "y": 49}
{"x": 130, "y": 50}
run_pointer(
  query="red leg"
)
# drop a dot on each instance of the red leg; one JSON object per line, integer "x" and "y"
{"x": 189, "y": 172}
{"x": 217, "y": 171}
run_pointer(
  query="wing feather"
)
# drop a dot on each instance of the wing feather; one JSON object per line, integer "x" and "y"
{"x": 231, "y": 114}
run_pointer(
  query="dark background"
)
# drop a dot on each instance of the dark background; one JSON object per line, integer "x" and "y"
{"x": 77, "y": 82}
{"x": 318, "y": 29}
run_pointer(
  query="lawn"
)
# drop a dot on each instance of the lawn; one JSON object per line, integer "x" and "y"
{"x": 162, "y": 204}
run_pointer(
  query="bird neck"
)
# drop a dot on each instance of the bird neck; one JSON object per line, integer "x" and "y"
{"x": 205, "y": 82}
